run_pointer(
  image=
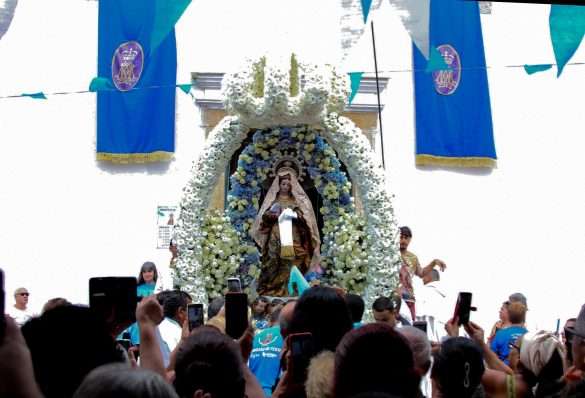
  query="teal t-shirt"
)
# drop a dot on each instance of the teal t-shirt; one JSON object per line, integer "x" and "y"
{"x": 264, "y": 360}
{"x": 145, "y": 290}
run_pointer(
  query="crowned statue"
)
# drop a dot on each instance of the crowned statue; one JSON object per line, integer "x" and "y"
{"x": 286, "y": 232}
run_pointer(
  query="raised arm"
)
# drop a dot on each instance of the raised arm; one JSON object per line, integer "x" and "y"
{"x": 149, "y": 314}
{"x": 476, "y": 333}
{"x": 421, "y": 272}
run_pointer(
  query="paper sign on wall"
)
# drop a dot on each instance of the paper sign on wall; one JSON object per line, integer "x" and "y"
{"x": 165, "y": 221}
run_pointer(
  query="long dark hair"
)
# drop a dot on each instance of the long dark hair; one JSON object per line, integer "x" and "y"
{"x": 147, "y": 266}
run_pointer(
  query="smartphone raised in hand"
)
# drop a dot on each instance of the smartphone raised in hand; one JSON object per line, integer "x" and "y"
{"x": 463, "y": 308}
{"x": 236, "y": 314}
{"x": 195, "y": 315}
{"x": 114, "y": 299}
{"x": 234, "y": 285}
{"x": 302, "y": 350}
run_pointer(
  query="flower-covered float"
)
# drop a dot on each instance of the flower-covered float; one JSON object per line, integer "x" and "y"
{"x": 278, "y": 112}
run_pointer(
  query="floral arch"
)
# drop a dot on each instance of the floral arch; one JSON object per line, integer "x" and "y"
{"x": 273, "y": 98}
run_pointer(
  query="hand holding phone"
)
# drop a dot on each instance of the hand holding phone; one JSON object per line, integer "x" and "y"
{"x": 463, "y": 308}
{"x": 195, "y": 315}
{"x": 114, "y": 300}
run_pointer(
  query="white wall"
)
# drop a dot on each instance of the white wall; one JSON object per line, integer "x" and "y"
{"x": 66, "y": 217}
{"x": 519, "y": 227}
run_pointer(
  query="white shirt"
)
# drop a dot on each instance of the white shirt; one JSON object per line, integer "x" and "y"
{"x": 405, "y": 313}
{"x": 20, "y": 316}
{"x": 433, "y": 306}
{"x": 170, "y": 332}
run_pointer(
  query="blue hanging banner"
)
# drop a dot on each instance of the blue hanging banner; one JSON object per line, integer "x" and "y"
{"x": 135, "y": 125}
{"x": 453, "y": 113}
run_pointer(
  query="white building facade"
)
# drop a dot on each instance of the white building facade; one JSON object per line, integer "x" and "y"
{"x": 66, "y": 217}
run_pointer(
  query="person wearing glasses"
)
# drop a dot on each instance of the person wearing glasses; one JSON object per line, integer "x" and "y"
{"x": 19, "y": 310}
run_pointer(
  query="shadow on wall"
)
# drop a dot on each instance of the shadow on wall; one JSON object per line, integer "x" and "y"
{"x": 155, "y": 168}
{"x": 471, "y": 171}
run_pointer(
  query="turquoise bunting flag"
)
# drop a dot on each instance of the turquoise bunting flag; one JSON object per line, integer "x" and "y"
{"x": 355, "y": 78}
{"x": 297, "y": 278}
{"x": 366, "y": 5}
{"x": 567, "y": 27}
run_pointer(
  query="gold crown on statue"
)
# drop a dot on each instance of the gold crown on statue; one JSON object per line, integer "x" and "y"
{"x": 288, "y": 163}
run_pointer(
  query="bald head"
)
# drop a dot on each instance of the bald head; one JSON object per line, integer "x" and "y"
{"x": 420, "y": 346}
{"x": 286, "y": 316}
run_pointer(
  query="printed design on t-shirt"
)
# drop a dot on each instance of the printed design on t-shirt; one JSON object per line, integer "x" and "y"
{"x": 268, "y": 339}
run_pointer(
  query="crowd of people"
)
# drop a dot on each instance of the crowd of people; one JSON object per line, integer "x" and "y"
{"x": 323, "y": 344}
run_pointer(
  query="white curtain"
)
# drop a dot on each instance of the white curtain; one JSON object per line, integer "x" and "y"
{"x": 7, "y": 8}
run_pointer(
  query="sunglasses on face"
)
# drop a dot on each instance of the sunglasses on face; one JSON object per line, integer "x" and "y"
{"x": 24, "y": 294}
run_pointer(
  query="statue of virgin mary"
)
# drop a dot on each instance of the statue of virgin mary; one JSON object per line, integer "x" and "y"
{"x": 287, "y": 233}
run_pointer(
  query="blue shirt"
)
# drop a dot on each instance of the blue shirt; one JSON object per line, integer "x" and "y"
{"x": 265, "y": 357}
{"x": 502, "y": 340}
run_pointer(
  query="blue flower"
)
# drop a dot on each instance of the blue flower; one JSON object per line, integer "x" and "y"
{"x": 344, "y": 199}
{"x": 320, "y": 144}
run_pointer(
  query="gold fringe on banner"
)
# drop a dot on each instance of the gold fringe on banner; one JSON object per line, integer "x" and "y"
{"x": 287, "y": 252}
{"x": 126, "y": 158}
{"x": 475, "y": 162}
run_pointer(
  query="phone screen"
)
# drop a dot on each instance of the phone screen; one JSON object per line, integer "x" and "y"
{"x": 463, "y": 307}
{"x": 195, "y": 315}
{"x": 234, "y": 285}
{"x": 114, "y": 298}
{"x": 301, "y": 347}
{"x": 236, "y": 314}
